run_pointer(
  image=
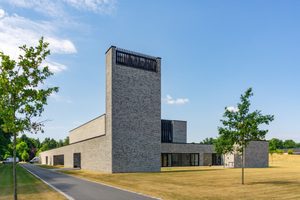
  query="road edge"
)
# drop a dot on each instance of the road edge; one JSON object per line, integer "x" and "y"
{"x": 53, "y": 187}
{"x": 108, "y": 185}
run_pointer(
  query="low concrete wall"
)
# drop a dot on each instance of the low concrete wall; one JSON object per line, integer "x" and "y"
{"x": 95, "y": 154}
{"x": 188, "y": 148}
{"x": 91, "y": 129}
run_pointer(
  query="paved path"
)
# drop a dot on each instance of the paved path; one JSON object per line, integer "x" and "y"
{"x": 80, "y": 189}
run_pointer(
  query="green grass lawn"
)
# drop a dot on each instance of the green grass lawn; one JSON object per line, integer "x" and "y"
{"x": 29, "y": 187}
{"x": 280, "y": 181}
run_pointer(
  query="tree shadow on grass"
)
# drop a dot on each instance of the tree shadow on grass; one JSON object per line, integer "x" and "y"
{"x": 40, "y": 190}
{"x": 274, "y": 167}
{"x": 189, "y": 170}
{"x": 297, "y": 183}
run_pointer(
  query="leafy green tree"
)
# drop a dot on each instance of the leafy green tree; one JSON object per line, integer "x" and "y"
{"x": 5, "y": 140}
{"x": 272, "y": 147}
{"x": 223, "y": 146}
{"x": 47, "y": 144}
{"x": 23, "y": 94}
{"x": 21, "y": 148}
{"x": 240, "y": 126}
{"x": 290, "y": 152}
{"x": 60, "y": 143}
{"x": 66, "y": 141}
{"x": 33, "y": 145}
{"x": 275, "y": 143}
{"x": 25, "y": 156}
{"x": 289, "y": 144}
{"x": 208, "y": 141}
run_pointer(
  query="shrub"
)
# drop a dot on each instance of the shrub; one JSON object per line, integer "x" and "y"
{"x": 290, "y": 151}
{"x": 279, "y": 151}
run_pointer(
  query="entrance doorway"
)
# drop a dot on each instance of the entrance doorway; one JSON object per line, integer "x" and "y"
{"x": 58, "y": 160}
{"x": 216, "y": 159}
{"x": 77, "y": 160}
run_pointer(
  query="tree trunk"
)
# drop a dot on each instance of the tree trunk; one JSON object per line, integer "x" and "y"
{"x": 14, "y": 168}
{"x": 243, "y": 165}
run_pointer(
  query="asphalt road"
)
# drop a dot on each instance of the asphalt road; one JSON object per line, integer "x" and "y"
{"x": 80, "y": 189}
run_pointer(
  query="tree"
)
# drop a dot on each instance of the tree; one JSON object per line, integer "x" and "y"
{"x": 290, "y": 152}
{"x": 208, "y": 141}
{"x": 23, "y": 94}
{"x": 25, "y": 156}
{"x": 5, "y": 140}
{"x": 21, "y": 147}
{"x": 66, "y": 141}
{"x": 33, "y": 145}
{"x": 275, "y": 143}
{"x": 240, "y": 126}
{"x": 47, "y": 144}
{"x": 223, "y": 146}
{"x": 289, "y": 144}
{"x": 272, "y": 147}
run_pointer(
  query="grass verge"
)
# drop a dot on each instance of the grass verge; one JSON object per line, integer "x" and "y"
{"x": 29, "y": 187}
{"x": 50, "y": 166}
{"x": 280, "y": 181}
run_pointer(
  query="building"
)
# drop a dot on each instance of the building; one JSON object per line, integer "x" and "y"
{"x": 256, "y": 156}
{"x": 131, "y": 136}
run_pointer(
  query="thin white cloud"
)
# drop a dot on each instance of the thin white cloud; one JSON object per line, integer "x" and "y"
{"x": 16, "y": 31}
{"x": 46, "y": 7}
{"x": 96, "y": 6}
{"x": 55, "y": 67}
{"x": 60, "y": 99}
{"x": 171, "y": 101}
{"x": 232, "y": 109}
{"x": 56, "y": 8}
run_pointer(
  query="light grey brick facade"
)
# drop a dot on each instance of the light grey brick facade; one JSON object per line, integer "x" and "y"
{"x": 128, "y": 137}
{"x": 179, "y": 131}
{"x": 95, "y": 154}
{"x": 133, "y": 115}
{"x": 93, "y": 128}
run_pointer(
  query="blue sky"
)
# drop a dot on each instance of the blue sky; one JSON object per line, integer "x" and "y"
{"x": 211, "y": 51}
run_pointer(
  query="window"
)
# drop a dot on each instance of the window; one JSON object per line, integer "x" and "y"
{"x": 166, "y": 131}
{"x": 194, "y": 159}
{"x": 216, "y": 159}
{"x": 179, "y": 159}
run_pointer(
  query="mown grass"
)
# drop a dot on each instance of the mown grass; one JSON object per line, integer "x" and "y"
{"x": 280, "y": 181}
{"x": 50, "y": 166}
{"x": 29, "y": 187}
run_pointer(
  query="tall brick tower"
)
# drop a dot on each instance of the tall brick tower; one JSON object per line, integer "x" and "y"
{"x": 133, "y": 110}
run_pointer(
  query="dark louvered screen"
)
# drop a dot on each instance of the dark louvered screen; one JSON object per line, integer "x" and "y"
{"x": 136, "y": 61}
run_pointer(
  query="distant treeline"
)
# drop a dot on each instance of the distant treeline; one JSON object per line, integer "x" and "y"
{"x": 27, "y": 148}
{"x": 274, "y": 144}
